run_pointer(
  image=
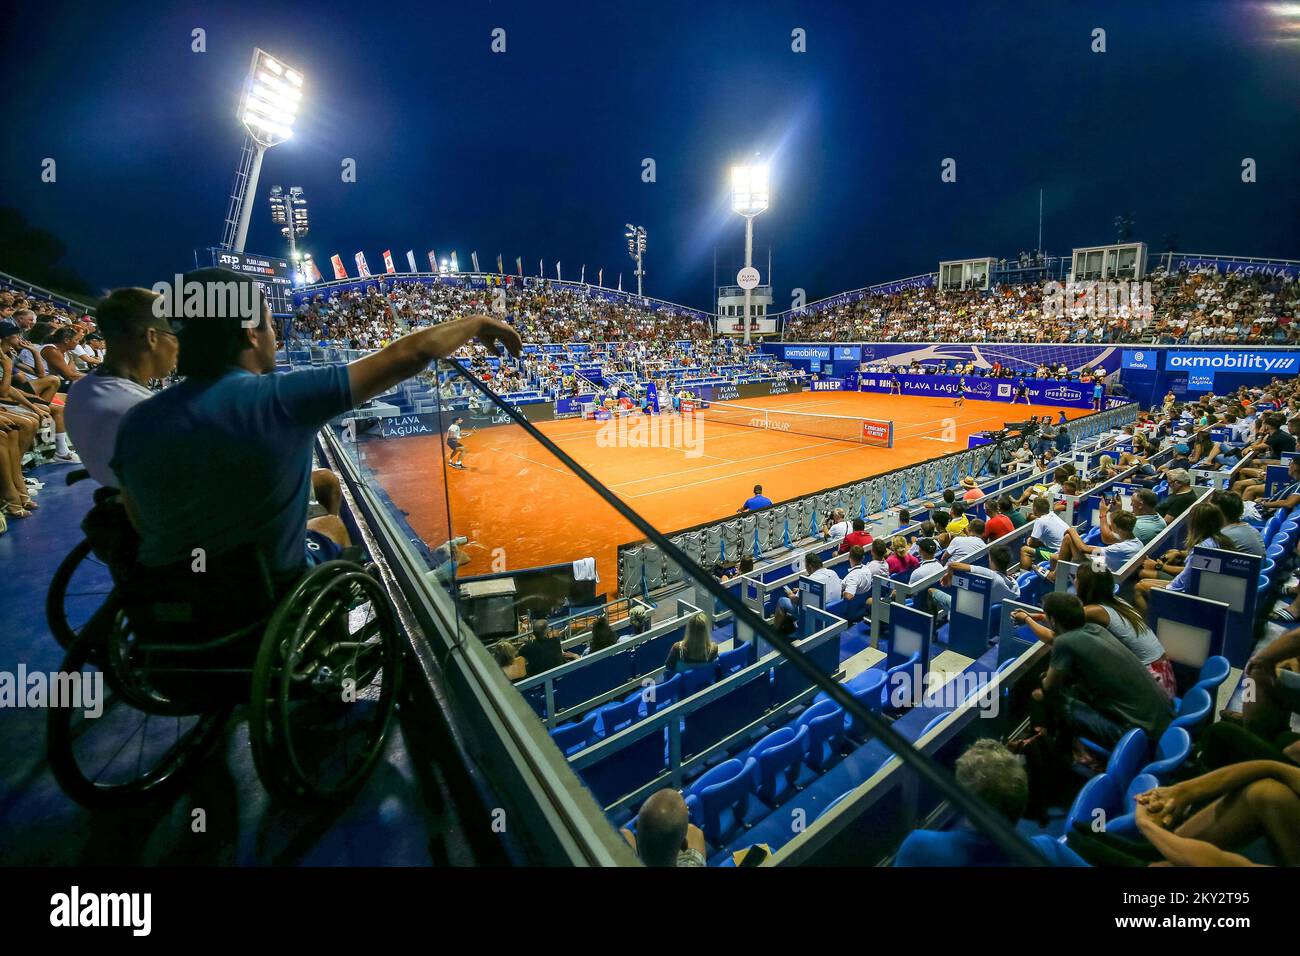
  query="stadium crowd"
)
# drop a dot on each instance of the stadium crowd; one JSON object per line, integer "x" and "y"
{"x": 44, "y": 350}
{"x": 1187, "y": 307}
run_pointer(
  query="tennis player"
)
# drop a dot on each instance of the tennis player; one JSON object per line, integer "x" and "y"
{"x": 961, "y": 392}
{"x": 457, "y": 459}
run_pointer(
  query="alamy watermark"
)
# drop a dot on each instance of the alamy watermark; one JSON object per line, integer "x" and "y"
{"x": 180, "y": 299}
{"x": 76, "y": 691}
{"x": 638, "y": 430}
{"x": 1098, "y": 300}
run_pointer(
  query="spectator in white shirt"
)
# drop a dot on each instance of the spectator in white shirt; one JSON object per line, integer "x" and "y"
{"x": 969, "y": 541}
{"x": 141, "y": 347}
{"x": 1003, "y": 586}
{"x": 837, "y": 527}
{"x": 1047, "y": 534}
{"x": 858, "y": 578}
{"x": 830, "y": 581}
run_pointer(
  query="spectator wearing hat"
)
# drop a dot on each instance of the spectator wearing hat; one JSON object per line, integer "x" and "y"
{"x": 972, "y": 489}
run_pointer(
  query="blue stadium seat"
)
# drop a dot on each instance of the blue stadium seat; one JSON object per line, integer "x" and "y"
{"x": 835, "y": 803}
{"x": 718, "y": 801}
{"x": 1132, "y": 751}
{"x": 621, "y": 713}
{"x": 866, "y": 689}
{"x": 571, "y": 738}
{"x": 826, "y": 732}
{"x": 1172, "y": 751}
{"x": 735, "y": 659}
{"x": 778, "y": 759}
{"x": 904, "y": 669}
{"x": 697, "y": 678}
{"x": 1125, "y": 825}
{"x": 1195, "y": 711}
{"x": 665, "y": 694}
{"x": 932, "y": 723}
{"x": 1213, "y": 673}
{"x": 1101, "y": 793}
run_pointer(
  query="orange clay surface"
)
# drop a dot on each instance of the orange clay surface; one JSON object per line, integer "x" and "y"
{"x": 513, "y": 495}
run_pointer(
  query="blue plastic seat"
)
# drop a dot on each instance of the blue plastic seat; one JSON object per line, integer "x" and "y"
{"x": 1129, "y": 755}
{"x": 1125, "y": 825}
{"x": 735, "y": 659}
{"x": 718, "y": 801}
{"x": 1213, "y": 673}
{"x": 571, "y": 738}
{"x": 835, "y": 803}
{"x": 778, "y": 758}
{"x": 826, "y": 732}
{"x": 932, "y": 723}
{"x": 697, "y": 678}
{"x": 664, "y": 694}
{"x": 1172, "y": 751}
{"x": 621, "y": 713}
{"x": 1101, "y": 793}
{"x": 1194, "y": 711}
{"x": 892, "y": 684}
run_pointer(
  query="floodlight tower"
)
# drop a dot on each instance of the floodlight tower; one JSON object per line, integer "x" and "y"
{"x": 635, "y": 237}
{"x": 267, "y": 108}
{"x": 289, "y": 212}
{"x": 749, "y": 197}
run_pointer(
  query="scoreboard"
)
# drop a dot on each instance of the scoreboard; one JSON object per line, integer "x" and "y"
{"x": 274, "y": 275}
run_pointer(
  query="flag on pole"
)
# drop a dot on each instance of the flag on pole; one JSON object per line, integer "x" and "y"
{"x": 473, "y": 257}
{"x": 501, "y": 266}
{"x": 337, "y": 262}
{"x": 455, "y": 266}
{"x": 600, "y": 278}
{"x": 363, "y": 270}
{"x": 620, "y": 282}
{"x": 410, "y": 259}
{"x": 388, "y": 261}
{"x": 313, "y": 273}
{"x": 541, "y": 270}
{"x": 433, "y": 262}
{"x": 582, "y": 279}
{"x": 557, "y": 270}
{"x": 519, "y": 264}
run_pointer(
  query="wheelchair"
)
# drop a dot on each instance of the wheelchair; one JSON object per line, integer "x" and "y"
{"x": 175, "y": 652}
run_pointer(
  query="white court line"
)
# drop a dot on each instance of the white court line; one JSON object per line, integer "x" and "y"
{"x": 769, "y": 468}
{"x": 735, "y": 461}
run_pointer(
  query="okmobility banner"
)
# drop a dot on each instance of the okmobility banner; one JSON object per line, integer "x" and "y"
{"x": 1039, "y": 391}
{"x": 1271, "y": 363}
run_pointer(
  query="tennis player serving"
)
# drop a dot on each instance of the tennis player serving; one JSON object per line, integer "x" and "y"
{"x": 454, "y": 436}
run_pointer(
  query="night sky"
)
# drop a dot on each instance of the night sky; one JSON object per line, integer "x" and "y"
{"x": 537, "y": 152}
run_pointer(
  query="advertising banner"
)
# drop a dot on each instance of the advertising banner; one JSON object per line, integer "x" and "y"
{"x": 1237, "y": 360}
{"x": 1040, "y": 391}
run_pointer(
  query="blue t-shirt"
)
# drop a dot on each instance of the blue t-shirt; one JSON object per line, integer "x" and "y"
{"x": 223, "y": 463}
{"x": 966, "y": 847}
{"x": 756, "y": 502}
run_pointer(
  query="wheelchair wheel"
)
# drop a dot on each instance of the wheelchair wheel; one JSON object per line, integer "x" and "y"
{"x": 324, "y": 685}
{"x": 80, "y": 586}
{"x": 121, "y": 754}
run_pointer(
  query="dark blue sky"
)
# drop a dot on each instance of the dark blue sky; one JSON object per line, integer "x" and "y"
{"x": 537, "y": 152}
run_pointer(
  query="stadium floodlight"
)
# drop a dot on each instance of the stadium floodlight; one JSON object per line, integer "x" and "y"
{"x": 636, "y": 246}
{"x": 289, "y": 212}
{"x": 750, "y": 195}
{"x": 749, "y": 189}
{"x": 268, "y": 107}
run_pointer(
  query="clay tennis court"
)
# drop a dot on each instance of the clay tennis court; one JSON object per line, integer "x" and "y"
{"x": 515, "y": 496}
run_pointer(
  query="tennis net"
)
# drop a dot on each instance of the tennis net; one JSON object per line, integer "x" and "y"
{"x": 866, "y": 431}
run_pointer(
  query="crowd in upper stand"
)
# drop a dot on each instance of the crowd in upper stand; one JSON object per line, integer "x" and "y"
{"x": 1199, "y": 306}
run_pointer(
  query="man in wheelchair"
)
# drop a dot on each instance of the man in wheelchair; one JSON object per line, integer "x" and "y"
{"x": 222, "y": 461}
{"x": 208, "y": 542}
